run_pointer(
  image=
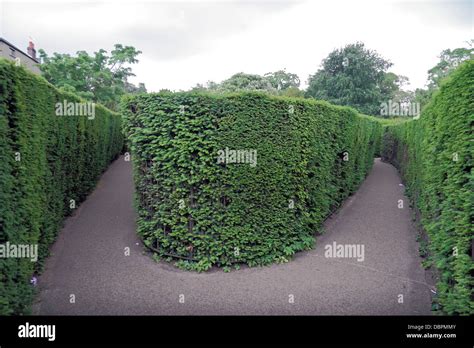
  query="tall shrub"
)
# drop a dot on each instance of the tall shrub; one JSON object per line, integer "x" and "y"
{"x": 46, "y": 161}
{"x": 435, "y": 157}
{"x": 309, "y": 156}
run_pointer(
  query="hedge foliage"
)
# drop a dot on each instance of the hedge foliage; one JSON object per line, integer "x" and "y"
{"x": 45, "y": 161}
{"x": 208, "y": 213}
{"x": 435, "y": 156}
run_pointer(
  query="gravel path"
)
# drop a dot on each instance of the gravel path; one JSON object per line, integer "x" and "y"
{"x": 88, "y": 261}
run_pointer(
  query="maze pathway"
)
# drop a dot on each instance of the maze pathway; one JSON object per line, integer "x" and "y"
{"x": 89, "y": 273}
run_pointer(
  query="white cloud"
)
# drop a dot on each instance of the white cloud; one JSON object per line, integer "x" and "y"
{"x": 187, "y": 42}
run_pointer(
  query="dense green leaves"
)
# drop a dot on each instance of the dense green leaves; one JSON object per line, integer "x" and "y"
{"x": 282, "y": 80}
{"x": 449, "y": 61}
{"x": 435, "y": 157}
{"x": 100, "y": 77}
{"x": 309, "y": 157}
{"x": 45, "y": 162}
{"x": 356, "y": 77}
{"x": 279, "y": 82}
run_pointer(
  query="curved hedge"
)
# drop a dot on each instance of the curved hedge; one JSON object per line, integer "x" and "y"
{"x": 45, "y": 161}
{"x": 435, "y": 156}
{"x": 208, "y": 213}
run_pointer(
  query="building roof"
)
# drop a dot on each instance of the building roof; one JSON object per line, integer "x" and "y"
{"x": 17, "y": 49}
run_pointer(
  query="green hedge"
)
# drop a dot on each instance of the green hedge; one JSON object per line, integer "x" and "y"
{"x": 61, "y": 158}
{"x": 207, "y": 213}
{"x": 435, "y": 155}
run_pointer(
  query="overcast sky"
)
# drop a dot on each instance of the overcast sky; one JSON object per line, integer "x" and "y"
{"x": 189, "y": 42}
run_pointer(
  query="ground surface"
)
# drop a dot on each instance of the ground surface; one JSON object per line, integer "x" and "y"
{"x": 88, "y": 261}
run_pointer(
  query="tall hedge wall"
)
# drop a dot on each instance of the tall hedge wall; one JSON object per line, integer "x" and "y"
{"x": 45, "y": 161}
{"x": 208, "y": 213}
{"x": 435, "y": 156}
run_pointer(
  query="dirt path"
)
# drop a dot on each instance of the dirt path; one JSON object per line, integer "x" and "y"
{"x": 88, "y": 261}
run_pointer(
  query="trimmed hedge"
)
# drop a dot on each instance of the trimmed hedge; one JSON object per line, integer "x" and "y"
{"x": 207, "y": 213}
{"x": 61, "y": 158}
{"x": 435, "y": 156}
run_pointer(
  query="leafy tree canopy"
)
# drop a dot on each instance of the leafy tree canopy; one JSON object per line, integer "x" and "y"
{"x": 449, "y": 60}
{"x": 282, "y": 80}
{"x": 100, "y": 77}
{"x": 354, "y": 76}
{"x": 278, "y": 82}
{"x": 242, "y": 81}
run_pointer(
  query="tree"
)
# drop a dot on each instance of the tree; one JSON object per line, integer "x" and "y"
{"x": 279, "y": 82}
{"x": 99, "y": 77}
{"x": 292, "y": 92}
{"x": 132, "y": 89}
{"x": 238, "y": 82}
{"x": 449, "y": 60}
{"x": 208, "y": 86}
{"x": 391, "y": 86}
{"x": 282, "y": 80}
{"x": 422, "y": 96}
{"x": 246, "y": 82}
{"x": 353, "y": 76}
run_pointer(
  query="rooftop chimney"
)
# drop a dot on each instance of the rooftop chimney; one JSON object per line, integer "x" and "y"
{"x": 31, "y": 50}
